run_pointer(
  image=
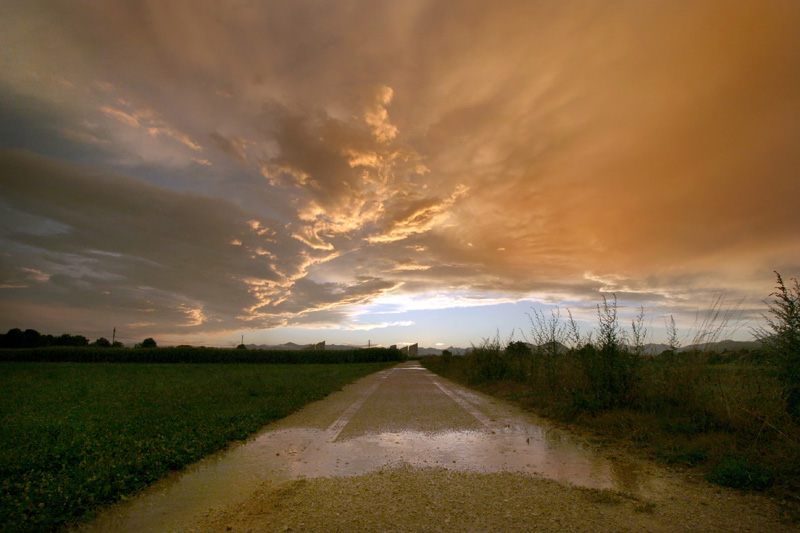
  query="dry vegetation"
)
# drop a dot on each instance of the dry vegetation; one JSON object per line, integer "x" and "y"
{"x": 733, "y": 415}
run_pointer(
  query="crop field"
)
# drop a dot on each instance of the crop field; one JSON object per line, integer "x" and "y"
{"x": 189, "y": 354}
{"x": 76, "y": 436}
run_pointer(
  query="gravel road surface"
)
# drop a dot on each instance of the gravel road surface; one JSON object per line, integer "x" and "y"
{"x": 405, "y": 450}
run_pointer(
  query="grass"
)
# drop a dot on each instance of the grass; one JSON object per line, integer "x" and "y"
{"x": 725, "y": 419}
{"x": 190, "y": 354}
{"x": 76, "y": 436}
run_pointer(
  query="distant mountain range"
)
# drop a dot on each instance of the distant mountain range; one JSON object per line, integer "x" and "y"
{"x": 293, "y": 346}
{"x": 720, "y": 346}
{"x": 649, "y": 349}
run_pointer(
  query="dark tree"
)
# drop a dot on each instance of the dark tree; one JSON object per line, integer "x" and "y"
{"x": 13, "y": 339}
{"x": 33, "y": 339}
{"x": 149, "y": 343}
{"x": 30, "y": 338}
{"x": 71, "y": 340}
{"x": 518, "y": 348}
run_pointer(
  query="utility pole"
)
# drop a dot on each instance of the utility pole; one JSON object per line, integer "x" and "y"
{"x": 369, "y": 344}
{"x": 114, "y": 336}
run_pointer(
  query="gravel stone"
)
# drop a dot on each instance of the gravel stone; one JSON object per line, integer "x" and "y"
{"x": 405, "y": 498}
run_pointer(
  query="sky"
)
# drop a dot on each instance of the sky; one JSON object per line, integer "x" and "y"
{"x": 392, "y": 172}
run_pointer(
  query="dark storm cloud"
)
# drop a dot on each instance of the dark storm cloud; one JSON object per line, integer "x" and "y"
{"x": 120, "y": 251}
{"x": 521, "y": 149}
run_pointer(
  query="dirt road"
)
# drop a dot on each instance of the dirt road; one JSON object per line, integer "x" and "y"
{"x": 405, "y": 450}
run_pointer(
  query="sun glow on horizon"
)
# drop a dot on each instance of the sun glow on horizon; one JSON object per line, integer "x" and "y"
{"x": 199, "y": 173}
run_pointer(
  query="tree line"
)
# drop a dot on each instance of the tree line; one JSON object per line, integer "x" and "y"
{"x": 30, "y": 338}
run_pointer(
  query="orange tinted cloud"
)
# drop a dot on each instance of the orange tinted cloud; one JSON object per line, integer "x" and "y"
{"x": 515, "y": 149}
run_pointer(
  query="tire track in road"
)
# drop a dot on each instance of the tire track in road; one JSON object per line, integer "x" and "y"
{"x": 339, "y": 424}
{"x": 464, "y": 404}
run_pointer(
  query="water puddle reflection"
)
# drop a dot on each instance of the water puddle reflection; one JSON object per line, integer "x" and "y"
{"x": 507, "y": 440}
{"x": 276, "y": 456}
{"x": 531, "y": 450}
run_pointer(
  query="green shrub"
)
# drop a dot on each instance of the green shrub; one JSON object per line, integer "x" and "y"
{"x": 781, "y": 339}
{"x": 739, "y": 472}
{"x": 689, "y": 454}
{"x": 149, "y": 342}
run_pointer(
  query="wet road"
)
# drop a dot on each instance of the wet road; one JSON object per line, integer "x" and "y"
{"x": 403, "y": 415}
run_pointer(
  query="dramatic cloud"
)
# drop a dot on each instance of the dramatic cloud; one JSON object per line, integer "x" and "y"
{"x": 198, "y": 167}
{"x": 96, "y": 247}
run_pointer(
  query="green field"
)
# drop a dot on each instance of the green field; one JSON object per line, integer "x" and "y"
{"x": 75, "y": 436}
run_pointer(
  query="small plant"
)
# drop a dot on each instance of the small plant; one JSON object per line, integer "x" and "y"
{"x": 638, "y": 334}
{"x": 673, "y": 341}
{"x": 720, "y": 318}
{"x": 609, "y": 334}
{"x": 488, "y": 360}
{"x": 612, "y": 368}
{"x": 575, "y": 340}
{"x": 518, "y": 357}
{"x": 781, "y": 339}
{"x": 738, "y": 472}
{"x": 548, "y": 335}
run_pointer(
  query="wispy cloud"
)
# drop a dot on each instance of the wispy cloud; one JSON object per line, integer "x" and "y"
{"x": 289, "y": 163}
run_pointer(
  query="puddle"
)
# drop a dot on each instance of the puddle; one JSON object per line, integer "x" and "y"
{"x": 532, "y": 452}
{"x": 499, "y": 438}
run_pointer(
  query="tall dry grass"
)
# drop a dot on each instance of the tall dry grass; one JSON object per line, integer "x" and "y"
{"x": 724, "y": 412}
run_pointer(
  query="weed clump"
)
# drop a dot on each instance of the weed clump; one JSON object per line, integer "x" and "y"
{"x": 729, "y": 414}
{"x": 781, "y": 339}
{"x": 740, "y": 472}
